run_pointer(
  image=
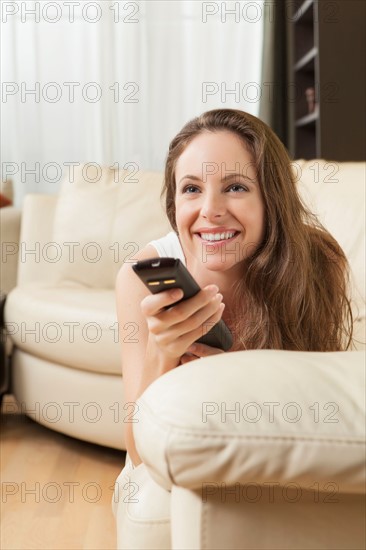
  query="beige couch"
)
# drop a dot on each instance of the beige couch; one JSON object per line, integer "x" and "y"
{"x": 269, "y": 455}
{"x": 61, "y": 315}
{"x": 66, "y": 374}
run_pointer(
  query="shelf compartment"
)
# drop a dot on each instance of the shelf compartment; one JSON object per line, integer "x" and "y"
{"x": 306, "y": 120}
{"x": 307, "y": 61}
{"x": 304, "y": 12}
{"x": 304, "y": 39}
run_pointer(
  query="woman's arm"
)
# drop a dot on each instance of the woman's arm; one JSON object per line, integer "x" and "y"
{"x": 141, "y": 364}
{"x": 161, "y": 337}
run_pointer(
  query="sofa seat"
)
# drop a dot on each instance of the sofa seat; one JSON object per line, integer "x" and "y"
{"x": 49, "y": 393}
{"x": 68, "y": 324}
{"x": 64, "y": 337}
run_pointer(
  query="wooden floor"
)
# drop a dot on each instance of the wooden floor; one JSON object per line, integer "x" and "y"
{"x": 56, "y": 491}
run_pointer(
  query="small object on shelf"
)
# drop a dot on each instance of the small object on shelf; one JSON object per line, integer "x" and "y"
{"x": 310, "y": 98}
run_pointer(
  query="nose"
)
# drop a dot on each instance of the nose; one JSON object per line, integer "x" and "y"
{"x": 213, "y": 205}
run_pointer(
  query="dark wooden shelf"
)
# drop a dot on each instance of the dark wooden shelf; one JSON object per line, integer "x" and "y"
{"x": 303, "y": 11}
{"x": 327, "y": 53}
{"x": 307, "y": 60}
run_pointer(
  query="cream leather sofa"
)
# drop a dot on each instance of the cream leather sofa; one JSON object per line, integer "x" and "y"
{"x": 285, "y": 470}
{"x": 61, "y": 314}
{"x": 270, "y": 455}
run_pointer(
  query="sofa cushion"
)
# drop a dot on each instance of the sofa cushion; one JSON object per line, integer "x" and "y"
{"x": 336, "y": 193}
{"x": 108, "y": 216}
{"x": 71, "y": 325}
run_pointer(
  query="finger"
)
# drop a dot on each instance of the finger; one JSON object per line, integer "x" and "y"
{"x": 188, "y": 331}
{"x": 202, "y": 350}
{"x": 187, "y": 358}
{"x": 167, "y": 325}
{"x": 188, "y": 308}
{"x": 211, "y": 321}
{"x": 185, "y": 316}
{"x": 202, "y": 299}
{"x": 154, "y": 303}
{"x": 183, "y": 325}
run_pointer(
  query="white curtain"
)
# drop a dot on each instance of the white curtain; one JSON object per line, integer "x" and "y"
{"x": 114, "y": 81}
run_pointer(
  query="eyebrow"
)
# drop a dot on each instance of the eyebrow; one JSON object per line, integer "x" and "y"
{"x": 224, "y": 179}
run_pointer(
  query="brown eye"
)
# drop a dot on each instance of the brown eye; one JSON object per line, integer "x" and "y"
{"x": 238, "y": 185}
{"x": 188, "y": 187}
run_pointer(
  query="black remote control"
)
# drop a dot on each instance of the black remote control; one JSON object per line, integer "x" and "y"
{"x": 159, "y": 274}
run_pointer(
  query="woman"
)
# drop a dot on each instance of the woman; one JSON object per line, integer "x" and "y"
{"x": 263, "y": 261}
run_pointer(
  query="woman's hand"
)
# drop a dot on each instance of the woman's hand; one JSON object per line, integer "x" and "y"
{"x": 197, "y": 351}
{"x": 173, "y": 330}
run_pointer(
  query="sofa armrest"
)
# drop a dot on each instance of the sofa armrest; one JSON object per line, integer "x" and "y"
{"x": 258, "y": 416}
{"x": 10, "y": 219}
{"x": 38, "y": 260}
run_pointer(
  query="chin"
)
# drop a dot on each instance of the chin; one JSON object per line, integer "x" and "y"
{"x": 216, "y": 264}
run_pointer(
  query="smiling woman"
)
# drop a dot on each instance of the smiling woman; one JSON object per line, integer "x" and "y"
{"x": 282, "y": 274}
{"x": 263, "y": 261}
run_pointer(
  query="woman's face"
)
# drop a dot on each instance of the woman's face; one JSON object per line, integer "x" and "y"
{"x": 217, "y": 192}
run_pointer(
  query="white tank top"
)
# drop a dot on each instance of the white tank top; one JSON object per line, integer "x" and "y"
{"x": 169, "y": 247}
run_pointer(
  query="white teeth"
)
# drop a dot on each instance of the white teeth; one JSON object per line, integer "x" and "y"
{"x": 217, "y": 236}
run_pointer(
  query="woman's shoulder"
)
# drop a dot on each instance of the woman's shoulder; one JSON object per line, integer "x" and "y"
{"x": 145, "y": 253}
{"x": 170, "y": 237}
{"x": 169, "y": 246}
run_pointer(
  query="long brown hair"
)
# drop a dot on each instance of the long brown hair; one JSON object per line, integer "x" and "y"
{"x": 293, "y": 293}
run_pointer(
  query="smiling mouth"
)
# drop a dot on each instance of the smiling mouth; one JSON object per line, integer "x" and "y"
{"x": 218, "y": 241}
